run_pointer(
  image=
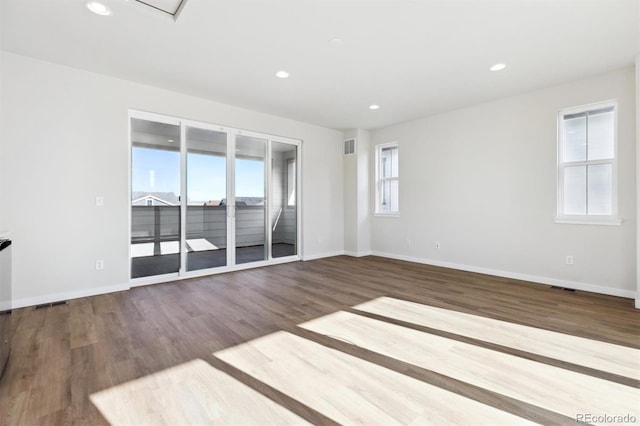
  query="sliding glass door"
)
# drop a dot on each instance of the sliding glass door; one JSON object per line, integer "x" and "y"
{"x": 209, "y": 198}
{"x": 250, "y": 200}
{"x": 206, "y": 217}
{"x": 155, "y": 198}
{"x": 283, "y": 200}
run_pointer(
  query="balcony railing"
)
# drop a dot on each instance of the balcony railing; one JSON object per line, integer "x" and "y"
{"x": 158, "y": 228}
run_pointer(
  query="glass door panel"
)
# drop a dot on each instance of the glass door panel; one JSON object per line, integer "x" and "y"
{"x": 284, "y": 203}
{"x": 250, "y": 203}
{"x": 206, "y": 224}
{"x": 155, "y": 198}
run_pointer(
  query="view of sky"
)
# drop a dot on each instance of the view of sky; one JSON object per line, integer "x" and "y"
{"x": 156, "y": 170}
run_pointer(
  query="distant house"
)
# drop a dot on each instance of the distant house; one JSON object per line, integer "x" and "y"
{"x": 154, "y": 199}
{"x": 245, "y": 201}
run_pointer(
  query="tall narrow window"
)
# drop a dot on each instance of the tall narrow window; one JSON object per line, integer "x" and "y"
{"x": 291, "y": 182}
{"x": 587, "y": 164}
{"x": 387, "y": 183}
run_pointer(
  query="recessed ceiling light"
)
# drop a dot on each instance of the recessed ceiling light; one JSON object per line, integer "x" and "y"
{"x": 335, "y": 41}
{"x": 282, "y": 74}
{"x": 498, "y": 67}
{"x": 98, "y": 8}
{"x": 374, "y": 106}
{"x": 170, "y": 140}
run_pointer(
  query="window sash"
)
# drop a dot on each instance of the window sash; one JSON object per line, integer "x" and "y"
{"x": 387, "y": 174}
{"x": 588, "y": 216}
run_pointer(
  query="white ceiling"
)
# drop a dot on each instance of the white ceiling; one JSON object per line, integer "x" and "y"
{"x": 412, "y": 57}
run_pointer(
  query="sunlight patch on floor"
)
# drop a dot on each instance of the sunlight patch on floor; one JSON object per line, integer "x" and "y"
{"x": 350, "y": 390}
{"x": 552, "y": 388}
{"x": 189, "y": 394}
{"x": 616, "y": 359}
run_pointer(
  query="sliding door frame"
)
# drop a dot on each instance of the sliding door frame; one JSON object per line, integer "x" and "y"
{"x": 232, "y": 134}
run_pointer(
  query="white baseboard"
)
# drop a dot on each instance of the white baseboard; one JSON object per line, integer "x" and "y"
{"x": 358, "y": 253}
{"x": 515, "y": 275}
{"x": 57, "y": 297}
{"x": 322, "y": 255}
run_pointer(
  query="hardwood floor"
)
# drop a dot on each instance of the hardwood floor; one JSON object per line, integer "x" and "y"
{"x": 140, "y": 346}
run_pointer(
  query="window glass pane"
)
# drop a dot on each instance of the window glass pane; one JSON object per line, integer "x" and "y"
{"x": 601, "y": 135}
{"x": 600, "y": 181}
{"x": 389, "y": 196}
{"x": 206, "y": 243}
{"x": 155, "y": 198}
{"x": 574, "y": 137}
{"x": 284, "y": 214}
{"x": 389, "y": 162}
{"x": 291, "y": 182}
{"x": 250, "y": 208}
{"x": 575, "y": 190}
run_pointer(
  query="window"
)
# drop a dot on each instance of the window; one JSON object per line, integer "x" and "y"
{"x": 291, "y": 182}
{"x": 387, "y": 179}
{"x": 587, "y": 165}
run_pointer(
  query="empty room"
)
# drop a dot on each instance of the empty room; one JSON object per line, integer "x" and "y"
{"x": 269, "y": 212}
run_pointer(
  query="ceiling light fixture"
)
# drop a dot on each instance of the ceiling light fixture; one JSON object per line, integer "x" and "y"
{"x": 282, "y": 74}
{"x": 170, "y": 140}
{"x": 335, "y": 41}
{"x": 374, "y": 107}
{"x": 498, "y": 67}
{"x": 98, "y": 8}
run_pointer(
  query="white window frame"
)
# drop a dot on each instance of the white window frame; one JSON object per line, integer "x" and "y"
{"x": 587, "y": 219}
{"x": 381, "y": 180}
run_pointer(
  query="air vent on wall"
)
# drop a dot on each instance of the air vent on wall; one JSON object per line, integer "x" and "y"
{"x": 349, "y": 146}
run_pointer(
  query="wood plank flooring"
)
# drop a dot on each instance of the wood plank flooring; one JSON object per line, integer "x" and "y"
{"x": 553, "y": 388}
{"x": 65, "y": 354}
{"x": 616, "y": 359}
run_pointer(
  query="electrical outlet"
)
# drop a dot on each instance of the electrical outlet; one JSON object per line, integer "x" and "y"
{"x": 99, "y": 264}
{"x": 569, "y": 260}
{"x": 437, "y": 244}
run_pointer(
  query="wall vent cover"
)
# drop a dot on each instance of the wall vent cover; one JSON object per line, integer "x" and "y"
{"x": 349, "y": 146}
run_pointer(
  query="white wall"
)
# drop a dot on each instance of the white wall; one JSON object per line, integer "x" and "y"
{"x": 482, "y": 182}
{"x": 364, "y": 205}
{"x": 65, "y": 141}
{"x": 2, "y": 219}
{"x": 350, "y": 188}
{"x": 357, "y": 208}
{"x": 637, "y": 302}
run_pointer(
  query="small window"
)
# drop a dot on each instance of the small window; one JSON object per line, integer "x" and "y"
{"x": 387, "y": 183}
{"x": 587, "y": 165}
{"x": 149, "y": 202}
